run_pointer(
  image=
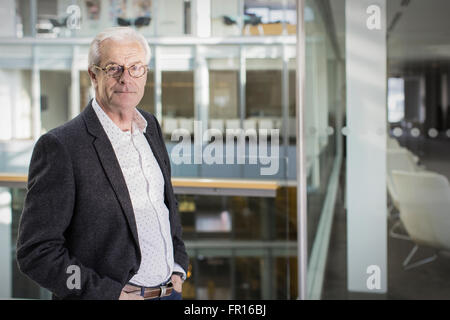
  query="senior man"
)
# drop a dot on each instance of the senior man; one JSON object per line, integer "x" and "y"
{"x": 100, "y": 217}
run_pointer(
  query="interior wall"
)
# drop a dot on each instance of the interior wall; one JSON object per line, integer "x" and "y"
{"x": 55, "y": 87}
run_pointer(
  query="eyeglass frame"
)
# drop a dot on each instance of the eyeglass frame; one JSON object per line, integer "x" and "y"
{"x": 123, "y": 70}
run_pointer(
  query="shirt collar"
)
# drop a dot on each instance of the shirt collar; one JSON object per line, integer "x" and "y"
{"x": 138, "y": 124}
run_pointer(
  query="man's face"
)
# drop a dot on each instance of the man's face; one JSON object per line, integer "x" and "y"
{"x": 124, "y": 92}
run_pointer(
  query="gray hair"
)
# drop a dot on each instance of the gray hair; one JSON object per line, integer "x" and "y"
{"x": 116, "y": 34}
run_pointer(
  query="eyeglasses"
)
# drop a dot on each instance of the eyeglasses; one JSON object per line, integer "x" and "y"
{"x": 115, "y": 71}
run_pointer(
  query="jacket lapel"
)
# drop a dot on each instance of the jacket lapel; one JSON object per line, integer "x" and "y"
{"x": 110, "y": 164}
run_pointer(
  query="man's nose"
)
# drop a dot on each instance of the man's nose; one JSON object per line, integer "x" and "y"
{"x": 125, "y": 77}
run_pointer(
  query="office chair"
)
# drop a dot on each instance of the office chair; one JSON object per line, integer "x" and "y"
{"x": 424, "y": 202}
{"x": 123, "y": 22}
{"x": 139, "y": 22}
{"x": 169, "y": 125}
{"x": 58, "y": 23}
{"x": 392, "y": 144}
{"x": 186, "y": 123}
{"x": 228, "y": 20}
{"x": 142, "y": 21}
{"x": 218, "y": 124}
{"x": 397, "y": 159}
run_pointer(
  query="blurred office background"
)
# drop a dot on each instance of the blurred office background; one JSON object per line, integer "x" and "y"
{"x": 232, "y": 64}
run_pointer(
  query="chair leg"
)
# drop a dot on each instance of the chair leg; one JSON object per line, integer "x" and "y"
{"x": 389, "y": 211}
{"x": 393, "y": 213}
{"x": 394, "y": 234}
{"x": 407, "y": 266}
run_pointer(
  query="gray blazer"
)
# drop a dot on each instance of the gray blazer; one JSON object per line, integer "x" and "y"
{"x": 78, "y": 211}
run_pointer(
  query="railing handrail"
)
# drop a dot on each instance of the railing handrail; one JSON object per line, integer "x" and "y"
{"x": 13, "y": 177}
{"x": 252, "y": 184}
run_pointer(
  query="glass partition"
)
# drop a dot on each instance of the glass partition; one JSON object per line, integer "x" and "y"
{"x": 418, "y": 152}
{"x": 81, "y": 18}
{"x": 242, "y": 238}
{"x": 322, "y": 161}
{"x": 84, "y": 18}
{"x": 242, "y": 247}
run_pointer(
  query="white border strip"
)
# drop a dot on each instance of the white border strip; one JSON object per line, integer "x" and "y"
{"x": 318, "y": 259}
{"x": 302, "y": 231}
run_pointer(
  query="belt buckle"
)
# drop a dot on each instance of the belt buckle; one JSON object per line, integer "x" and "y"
{"x": 164, "y": 288}
{"x": 163, "y": 291}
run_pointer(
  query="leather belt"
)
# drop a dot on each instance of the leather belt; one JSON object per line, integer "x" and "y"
{"x": 150, "y": 292}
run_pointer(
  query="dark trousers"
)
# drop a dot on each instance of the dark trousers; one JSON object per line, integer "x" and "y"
{"x": 173, "y": 296}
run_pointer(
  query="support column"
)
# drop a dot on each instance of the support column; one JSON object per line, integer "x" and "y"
{"x": 157, "y": 78}
{"x": 74, "y": 86}
{"x": 302, "y": 249}
{"x": 5, "y": 244}
{"x": 285, "y": 105}
{"x": 36, "y": 97}
{"x": 201, "y": 21}
{"x": 242, "y": 84}
{"x": 366, "y": 145}
{"x": 33, "y": 17}
{"x": 201, "y": 94}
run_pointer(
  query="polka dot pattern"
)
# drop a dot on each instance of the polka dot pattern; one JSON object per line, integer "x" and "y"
{"x": 145, "y": 184}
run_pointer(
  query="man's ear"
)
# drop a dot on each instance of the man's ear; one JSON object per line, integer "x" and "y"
{"x": 93, "y": 77}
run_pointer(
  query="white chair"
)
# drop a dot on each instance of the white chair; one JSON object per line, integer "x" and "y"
{"x": 233, "y": 123}
{"x": 397, "y": 159}
{"x": 186, "y": 123}
{"x": 392, "y": 143}
{"x": 250, "y": 130}
{"x": 278, "y": 123}
{"x": 169, "y": 125}
{"x": 250, "y": 124}
{"x": 217, "y": 124}
{"x": 424, "y": 201}
{"x": 265, "y": 123}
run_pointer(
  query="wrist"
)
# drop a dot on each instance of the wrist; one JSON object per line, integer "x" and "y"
{"x": 180, "y": 274}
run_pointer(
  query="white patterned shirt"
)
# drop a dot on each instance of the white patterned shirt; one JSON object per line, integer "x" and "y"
{"x": 145, "y": 185}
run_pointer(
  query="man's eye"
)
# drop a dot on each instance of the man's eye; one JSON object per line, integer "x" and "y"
{"x": 113, "y": 69}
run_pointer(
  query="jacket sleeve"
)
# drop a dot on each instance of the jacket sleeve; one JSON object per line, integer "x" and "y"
{"x": 42, "y": 253}
{"x": 180, "y": 255}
